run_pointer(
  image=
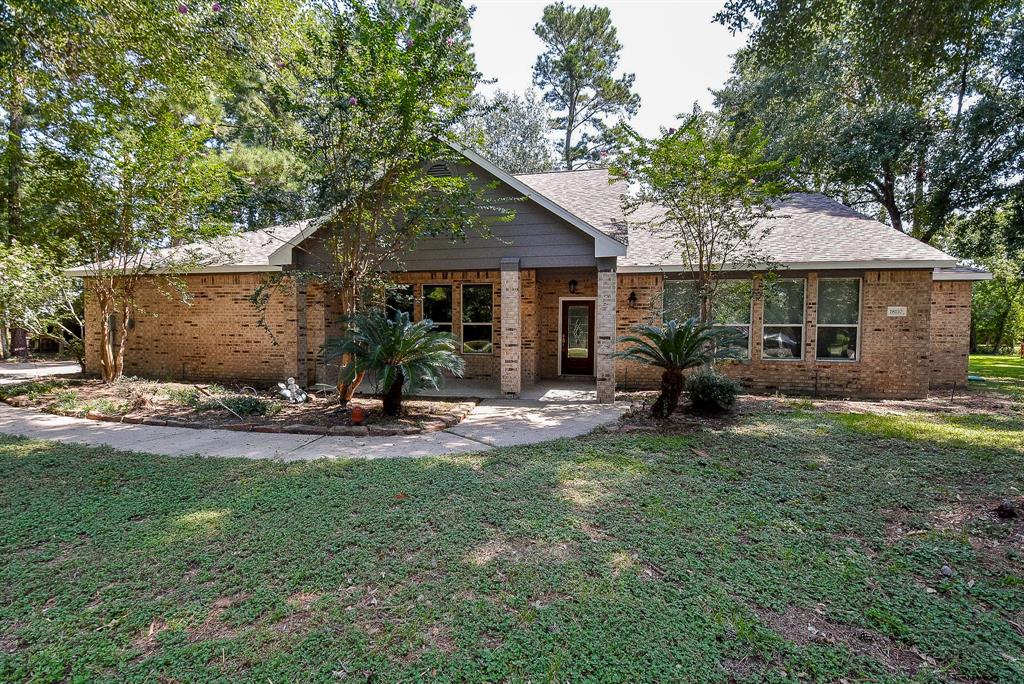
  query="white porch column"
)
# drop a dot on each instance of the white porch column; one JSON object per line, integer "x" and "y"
{"x": 604, "y": 362}
{"x": 511, "y": 329}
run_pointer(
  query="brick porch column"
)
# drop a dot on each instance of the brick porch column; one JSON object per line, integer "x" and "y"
{"x": 511, "y": 329}
{"x": 604, "y": 362}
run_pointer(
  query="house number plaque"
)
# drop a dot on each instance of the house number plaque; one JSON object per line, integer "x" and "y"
{"x": 897, "y": 311}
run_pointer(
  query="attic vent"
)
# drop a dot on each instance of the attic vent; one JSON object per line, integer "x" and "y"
{"x": 439, "y": 170}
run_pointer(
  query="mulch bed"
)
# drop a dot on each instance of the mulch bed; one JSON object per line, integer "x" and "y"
{"x": 163, "y": 404}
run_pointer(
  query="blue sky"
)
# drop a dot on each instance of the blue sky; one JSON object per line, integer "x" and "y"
{"x": 672, "y": 46}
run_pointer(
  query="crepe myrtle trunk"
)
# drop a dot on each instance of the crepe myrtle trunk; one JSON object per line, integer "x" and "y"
{"x": 671, "y": 388}
{"x": 393, "y": 395}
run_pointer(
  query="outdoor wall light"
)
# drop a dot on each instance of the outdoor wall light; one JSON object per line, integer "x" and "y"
{"x": 632, "y": 299}
{"x": 572, "y": 286}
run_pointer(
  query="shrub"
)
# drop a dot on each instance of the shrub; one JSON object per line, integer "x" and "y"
{"x": 66, "y": 401}
{"x": 184, "y": 396}
{"x": 242, "y": 404}
{"x": 711, "y": 391}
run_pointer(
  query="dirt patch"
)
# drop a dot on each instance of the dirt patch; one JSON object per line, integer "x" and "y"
{"x": 202, "y": 406}
{"x": 742, "y": 669}
{"x": 147, "y": 641}
{"x": 804, "y": 626}
{"x": 9, "y": 643}
{"x": 213, "y": 627}
{"x": 517, "y": 551}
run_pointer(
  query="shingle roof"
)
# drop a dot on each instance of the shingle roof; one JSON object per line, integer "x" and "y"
{"x": 237, "y": 252}
{"x": 586, "y": 193}
{"x": 806, "y": 229}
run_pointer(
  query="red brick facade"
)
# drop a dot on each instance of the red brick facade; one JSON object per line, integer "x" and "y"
{"x": 218, "y": 336}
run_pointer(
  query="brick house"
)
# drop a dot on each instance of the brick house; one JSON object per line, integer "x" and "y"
{"x": 855, "y": 308}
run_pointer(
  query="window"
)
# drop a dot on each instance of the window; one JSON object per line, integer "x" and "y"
{"x": 731, "y": 308}
{"x": 838, "y": 318}
{"x": 399, "y": 298}
{"x": 437, "y": 306}
{"x": 782, "y": 334}
{"x": 477, "y": 319}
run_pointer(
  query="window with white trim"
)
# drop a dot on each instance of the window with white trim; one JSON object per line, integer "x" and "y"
{"x": 731, "y": 307}
{"x": 838, "y": 319}
{"x": 782, "y": 331}
{"x": 437, "y": 306}
{"x": 477, "y": 318}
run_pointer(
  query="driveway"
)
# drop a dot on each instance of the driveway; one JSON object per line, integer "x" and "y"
{"x": 19, "y": 371}
{"x": 493, "y": 423}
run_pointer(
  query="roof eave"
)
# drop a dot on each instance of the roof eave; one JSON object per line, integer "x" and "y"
{"x": 854, "y": 265}
{"x": 87, "y": 272}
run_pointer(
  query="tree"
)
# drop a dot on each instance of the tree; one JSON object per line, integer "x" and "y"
{"x": 576, "y": 73}
{"x": 915, "y": 108}
{"x": 374, "y": 89}
{"x": 36, "y": 297}
{"x": 993, "y": 236}
{"x": 709, "y": 190}
{"x": 513, "y": 131}
{"x": 674, "y": 348}
{"x": 404, "y": 356}
{"x": 127, "y": 151}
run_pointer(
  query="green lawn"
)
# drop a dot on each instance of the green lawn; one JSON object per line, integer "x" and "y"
{"x": 1002, "y": 373}
{"x": 787, "y": 546}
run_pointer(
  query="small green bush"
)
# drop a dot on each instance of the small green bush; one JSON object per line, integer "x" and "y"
{"x": 711, "y": 391}
{"x": 242, "y": 404}
{"x": 66, "y": 402}
{"x": 184, "y": 396}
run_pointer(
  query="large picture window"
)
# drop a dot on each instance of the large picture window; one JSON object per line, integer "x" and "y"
{"x": 838, "y": 319}
{"x": 437, "y": 306}
{"x": 782, "y": 333}
{"x": 477, "y": 319}
{"x": 731, "y": 308}
{"x": 399, "y": 298}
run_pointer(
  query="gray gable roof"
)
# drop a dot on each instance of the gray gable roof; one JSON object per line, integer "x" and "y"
{"x": 807, "y": 230}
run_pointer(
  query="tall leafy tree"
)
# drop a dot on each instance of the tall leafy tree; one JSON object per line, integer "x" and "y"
{"x": 707, "y": 190}
{"x": 576, "y": 73}
{"x": 513, "y": 131}
{"x": 915, "y": 108}
{"x": 375, "y": 89}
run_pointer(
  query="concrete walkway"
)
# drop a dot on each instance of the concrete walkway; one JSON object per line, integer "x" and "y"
{"x": 493, "y": 423}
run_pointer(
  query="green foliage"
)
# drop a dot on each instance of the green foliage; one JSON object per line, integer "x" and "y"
{"x": 675, "y": 348}
{"x": 403, "y": 356}
{"x": 649, "y": 558}
{"x": 184, "y": 396}
{"x": 33, "y": 390}
{"x": 715, "y": 187}
{"x": 242, "y": 404}
{"x": 913, "y": 109}
{"x": 35, "y": 295}
{"x": 576, "y": 73}
{"x": 512, "y": 130}
{"x": 711, "y": 391}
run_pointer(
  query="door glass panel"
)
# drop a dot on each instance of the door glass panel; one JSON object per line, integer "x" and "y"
{"x": 579, "y": 332}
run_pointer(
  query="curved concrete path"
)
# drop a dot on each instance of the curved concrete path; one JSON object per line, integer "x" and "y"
{"x": 493, "y": 423}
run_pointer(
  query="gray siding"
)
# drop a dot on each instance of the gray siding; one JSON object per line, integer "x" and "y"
{"x": 535, "y": 236}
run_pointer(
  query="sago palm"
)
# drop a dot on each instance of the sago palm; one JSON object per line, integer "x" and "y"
{"x": 404, "y": 356}
{"x": 674, "y": 348}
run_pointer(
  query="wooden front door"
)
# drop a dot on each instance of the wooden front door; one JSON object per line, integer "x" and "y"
{"x": 577, "y": 343}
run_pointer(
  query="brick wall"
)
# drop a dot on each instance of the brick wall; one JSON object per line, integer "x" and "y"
{"x": 648, "y": 290}
{"x": 894, "y": 351}
{"x": 215, "y": 337}
{"x": 950, "y": 333}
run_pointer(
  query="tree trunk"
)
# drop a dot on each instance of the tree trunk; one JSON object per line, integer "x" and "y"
{"x": 671, "y": 388}
{"x": 393, "y": 396}
{"x": 997, "y": 343}
{"x": 4, "y": 341}
{"x": 19, "y": 342}
{"x": 349, "y": 294}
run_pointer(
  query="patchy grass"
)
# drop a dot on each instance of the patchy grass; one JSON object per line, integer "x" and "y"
{"x": 786, "y": 546}
{"x": 1001, "y": 373}
{"x": 992, "y": 431}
